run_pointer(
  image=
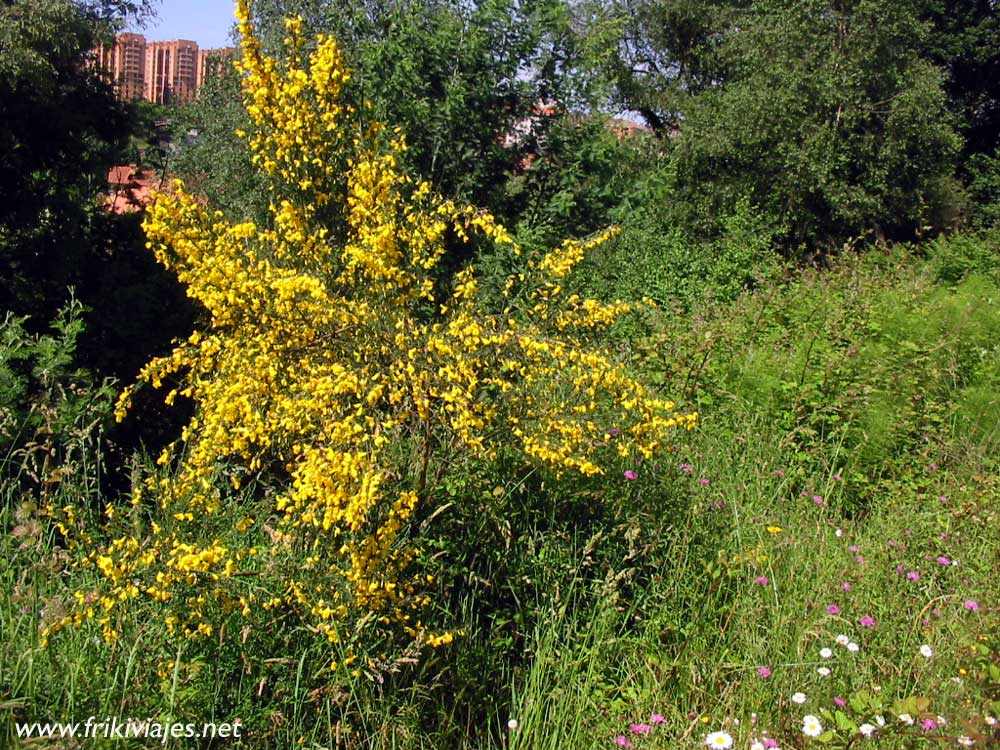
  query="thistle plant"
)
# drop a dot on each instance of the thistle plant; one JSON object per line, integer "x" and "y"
{"x": 331, "y": 364}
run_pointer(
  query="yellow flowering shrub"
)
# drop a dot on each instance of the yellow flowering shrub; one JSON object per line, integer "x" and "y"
{"x": 332, "y": 364}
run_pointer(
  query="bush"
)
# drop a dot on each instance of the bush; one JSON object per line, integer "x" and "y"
{"x": 342, "y": 397}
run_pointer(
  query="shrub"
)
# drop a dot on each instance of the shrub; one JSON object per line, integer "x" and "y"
{"x": 339, "y": 391}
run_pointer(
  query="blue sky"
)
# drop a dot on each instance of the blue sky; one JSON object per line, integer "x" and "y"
{"x": 204, "y": 21}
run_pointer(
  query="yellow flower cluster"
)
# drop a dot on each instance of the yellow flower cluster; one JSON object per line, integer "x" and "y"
{"x": 331, "y": 360}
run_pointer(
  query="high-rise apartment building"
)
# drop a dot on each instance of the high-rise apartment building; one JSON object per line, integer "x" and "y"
{"x": 162, "y": 72}
{"x": 125, "y": 63}
{"x": 171, "y": 71}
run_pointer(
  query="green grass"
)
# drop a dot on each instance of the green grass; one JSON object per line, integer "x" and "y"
{"x": 872, "y": 385}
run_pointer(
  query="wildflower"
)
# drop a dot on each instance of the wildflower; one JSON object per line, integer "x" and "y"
{"x": 763, "y": 672}
{"x": 640, "y": 728}
{"x": 799, "y": 698}
{"x": 867, "y": 621}
{"x": 853, "y": 548}
{"x": 900, "y": 570}
{"x": 965, "y": 741}
{"x": 867, "y": 730}
{"x": 928, "y": 724}
{"x": 853, "y": 647}
{"x": 880, "y": 720}
{"x": 839, "y": 702}
{"x": 906, "y": 719}
{"x": 778, "y": 472}
{"x": 818, "y": 499}
{"x": 836, "y": 477}
{"x": 657, "y": 719}
{"x": 991, "y": 721}
{"x": 913, "y": 575}
{"x": 826, "y": 653}
{"x": 686, "y": 468}
{"x": 838, "y": 533}
{"x": 719, "y": 739}
{"x": 512, "y": 724}
{"x": 971, "y": 604}
{"x": 846, "y": 586}
{"x": 761, "y": 580}
{"x": 842, "y": 640}
{"x": 757, "y": 745}
{"x": 630, "y": 475}
{"x": 774, "y": 529}
{"x": 926, "y": 651}
{"x": 823, "y": 671}
{"x": 942, "y": 560}
{"x": 811, "y": 726}
{"x": 704, "y": 481}
{"x": 770, "y": 744}
{"x": 622, "y": 741}
{"x": 832, "y": 609}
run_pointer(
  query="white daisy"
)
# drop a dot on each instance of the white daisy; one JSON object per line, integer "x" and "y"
{"x": 853, "y": 647}
{"x": 825, "y": 653}
{"x": 757, "y": 745}
{"x": 966, "y": 741}
{"x": 799, "y": 698}
{"x": 867, "y": 729}
{"x": 811, "y": 726}
{"x": 842, "y": 640}
{"x": 719, "y": 739}
{"x": 926, "y": 651}
{"x": 906, "y": 719}
{"x": 823, "y": 671}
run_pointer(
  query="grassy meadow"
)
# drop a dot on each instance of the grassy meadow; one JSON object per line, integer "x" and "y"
{"x": 815, "y": 564}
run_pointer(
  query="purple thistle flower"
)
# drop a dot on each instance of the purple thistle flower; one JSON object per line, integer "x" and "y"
{"x": 867, "y": 621}
{"x": 630, "y": 475}
{"x": 764, "y": 672}
{"x": 832, "y": 609}
{"x": 971, "y": 604}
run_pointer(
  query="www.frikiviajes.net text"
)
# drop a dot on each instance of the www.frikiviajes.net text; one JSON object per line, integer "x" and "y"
{"x": 113, "y": 727}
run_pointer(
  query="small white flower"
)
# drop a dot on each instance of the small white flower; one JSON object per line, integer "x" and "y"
{"x": 823, "y": 671}
{"x": 966, "y": 741}
{"x": 811, "y": 726}
{"x": 880, "y": 720}
{"x": 757, "y": 745}
{"x": 838, "y": 533}
{"x": 799, "y": 698}
{"x": 906, "y": 719}
{"x": 853, "y": 647}
{"x": 941, "y": 721}
{"x": 825, "y": 653}
{"x": 990, "y": 721}
{"x": 512, "y": 724}
{"x": 719, "y": 739}
{"x": 867, "y": 729}
{"x": 842, "y": 640}
{"x": 926, "y": 651}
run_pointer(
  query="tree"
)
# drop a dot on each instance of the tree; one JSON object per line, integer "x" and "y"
{"x": 829, "y": 121}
